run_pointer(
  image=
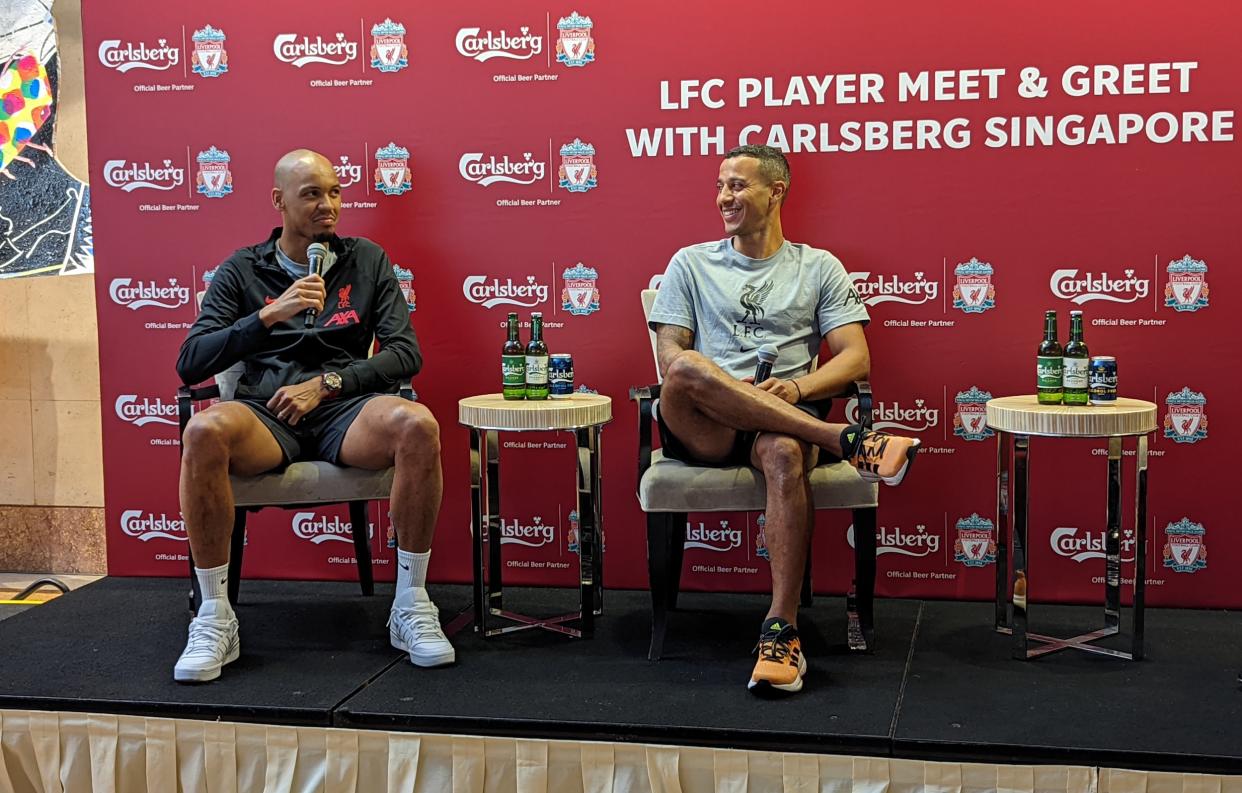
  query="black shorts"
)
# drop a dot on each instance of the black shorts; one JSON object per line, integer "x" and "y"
{"x": 743, "y": 442}
{"x": 320, "y": 433}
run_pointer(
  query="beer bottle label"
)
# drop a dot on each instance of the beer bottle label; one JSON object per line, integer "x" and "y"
{"x": 513, "y": 367}
{"x": 537, "y": 369}
{"x": 1075, "y": 372}
{"x": 1048, "y": 371}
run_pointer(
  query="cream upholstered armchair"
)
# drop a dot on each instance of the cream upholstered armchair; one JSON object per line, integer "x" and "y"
{"x": 668, "y": 490}
{"x": 300, "y": 484}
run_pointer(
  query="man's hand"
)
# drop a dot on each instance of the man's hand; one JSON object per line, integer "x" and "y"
{"x": 290, "y": 403}
{"x": 785, "y": 389}
{"x": 301, "y": 295}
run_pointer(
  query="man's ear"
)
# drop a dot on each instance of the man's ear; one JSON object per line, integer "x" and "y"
{"x": 778, "y": 190}
{"x": 278, "y": 199}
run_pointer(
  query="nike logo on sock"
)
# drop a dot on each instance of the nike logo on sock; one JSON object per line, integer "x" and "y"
{"x": 403, "y": 566}
{"x": 223, "y": 581}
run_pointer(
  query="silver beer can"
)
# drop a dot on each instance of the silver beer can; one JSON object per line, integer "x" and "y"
{"x": 560, "y": 376}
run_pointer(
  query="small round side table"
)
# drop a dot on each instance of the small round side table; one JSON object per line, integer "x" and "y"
{"x": 1016, "y": 419}
{"x": 490, "y": 414}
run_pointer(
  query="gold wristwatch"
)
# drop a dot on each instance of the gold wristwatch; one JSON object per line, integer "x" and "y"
{"x": 331, "y": 382}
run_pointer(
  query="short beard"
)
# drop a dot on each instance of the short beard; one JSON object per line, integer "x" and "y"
{"x": 323, "y": 236}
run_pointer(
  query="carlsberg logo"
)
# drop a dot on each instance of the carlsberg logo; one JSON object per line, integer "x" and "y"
{"x": 534, "y": 535}
{"x": 719, "y": 540}
{"x": 127, "y": 56}
{"x": 1068, "y": 285}
{"x": 348, "y": 173}
{"x": 320, "y": 529}
{"x": 147, "y": 526}
{"x": 490, "y": 45}
{"x": 892, "y": 289}
{"x": 902, "y": 542}
{"x": 148, "y": 411}
{"x": 131, "y": 176}
{"x": 1090, "y": 545}
{"x": 478, "y": 289}
{"x": 289, "y": 48}
{"x": 125, "y": 292}
{"x": 474, "y": 168}
{"x": 894, "y": 415}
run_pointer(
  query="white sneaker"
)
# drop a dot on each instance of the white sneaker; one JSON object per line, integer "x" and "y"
{"x": 213, "y": 643}
{"x": 414, "y": 626}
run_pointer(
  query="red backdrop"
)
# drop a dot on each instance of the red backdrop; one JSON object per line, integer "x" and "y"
{"x": 911, "y": 180}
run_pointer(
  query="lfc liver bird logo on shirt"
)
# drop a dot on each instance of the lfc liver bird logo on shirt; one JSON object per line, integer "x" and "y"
{"x": 752, "y": 301}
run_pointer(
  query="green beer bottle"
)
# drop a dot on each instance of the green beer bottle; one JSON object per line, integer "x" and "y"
{"x": 1048, "y": 365}
{"x": 513, "y": 363}
{"x": 536, "y": 360}
{"x": 1076, "y": 361}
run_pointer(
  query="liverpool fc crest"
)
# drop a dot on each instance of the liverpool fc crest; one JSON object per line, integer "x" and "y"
{"x": 577, "y": 171}
{"x": 406, "y": 279}
{"x": 388, "y": 50}
{"x": 974, "y": 292}
{"x": 574, "y": 45}
{"x": 1187, "y": 289}
{"x": 1184, "y": 549}
{"x": 971, "y": 419}
{"x": 214, "y": 179}
{"x": 580, "y": 296}
{"x": 975, "y": 545}
{"x": 1186, "y": 421}
{"x": 209, "y": 58}
{"x": 392, "y": 170}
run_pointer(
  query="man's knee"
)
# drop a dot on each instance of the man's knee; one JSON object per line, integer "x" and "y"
{"x": 416, "y": 430}
{"x": 781, "y": 456}
{"x": 207, "y": 437}
{"x": 688, "y": 372}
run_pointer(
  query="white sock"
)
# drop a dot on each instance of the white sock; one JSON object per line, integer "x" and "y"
{"x": 213, "y": 582}
{"x": 412, "y": 569}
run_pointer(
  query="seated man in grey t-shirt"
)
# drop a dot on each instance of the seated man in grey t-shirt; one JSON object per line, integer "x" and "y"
{"x": 718, "y": 303}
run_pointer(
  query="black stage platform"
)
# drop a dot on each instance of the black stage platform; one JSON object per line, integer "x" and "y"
{"x": 941, "y": 684}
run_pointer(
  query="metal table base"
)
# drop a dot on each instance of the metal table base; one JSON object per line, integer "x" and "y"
{"x": 1013, "y": 610}
{"x": 485, "y": 526}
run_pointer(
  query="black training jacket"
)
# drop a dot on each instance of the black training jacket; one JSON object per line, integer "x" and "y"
{"x": 364, "y": 301}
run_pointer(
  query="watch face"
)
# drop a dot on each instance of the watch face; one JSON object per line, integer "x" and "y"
{"x": 333, "y": 381}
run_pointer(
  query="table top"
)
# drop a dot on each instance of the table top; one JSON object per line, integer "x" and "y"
{"x": 1025, "y": 416}
{"x": 494, "y": 412}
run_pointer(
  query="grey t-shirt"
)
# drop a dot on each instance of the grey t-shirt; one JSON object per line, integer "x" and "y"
{"x": 734, "y": 303}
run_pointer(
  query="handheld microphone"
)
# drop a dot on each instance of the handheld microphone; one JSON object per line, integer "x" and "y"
{"x": 315, "y": 253}
{"x": 767, "y": 356}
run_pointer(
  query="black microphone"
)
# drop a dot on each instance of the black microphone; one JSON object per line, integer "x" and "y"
{"x": 767, "y": 357}
{"x": 315, "y": 253}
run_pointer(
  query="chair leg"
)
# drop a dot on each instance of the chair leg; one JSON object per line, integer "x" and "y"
{"x": 237, "y": 546}
{"x": 359, "y": 525}
{"x": 676, "y": 548}
{"x": 659, "y": 563}
{"x": 861, "y": 600}
{"x": 196, "y": 595}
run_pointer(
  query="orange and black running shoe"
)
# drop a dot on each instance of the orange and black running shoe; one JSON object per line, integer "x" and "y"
{"x": 879, "y": 456}
{"x": 780, "y": 667}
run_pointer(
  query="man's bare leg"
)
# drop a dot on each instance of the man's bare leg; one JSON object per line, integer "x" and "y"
{"x": 785, "y": 462}
{"x": 227, "y": 437}
{"x": 391, "y": 431}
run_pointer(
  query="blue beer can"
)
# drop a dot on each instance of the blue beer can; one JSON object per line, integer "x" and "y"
{"x": 1102, "y": 380}
{"x": 560, "y": 376}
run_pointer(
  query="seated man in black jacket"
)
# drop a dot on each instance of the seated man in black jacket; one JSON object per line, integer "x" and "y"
{"x": 307, "y": 394}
